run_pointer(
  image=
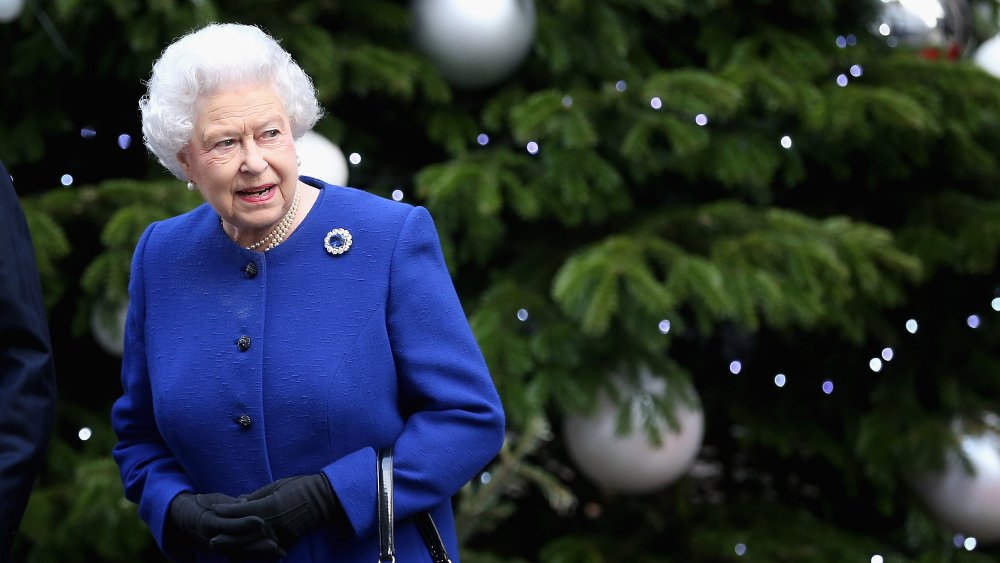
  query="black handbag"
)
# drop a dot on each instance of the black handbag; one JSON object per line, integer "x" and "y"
{"x": 386, "y": 545}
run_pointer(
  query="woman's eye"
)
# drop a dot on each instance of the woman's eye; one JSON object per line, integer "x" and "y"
{"x": 225, "y": 143}
{"x": 271, "y": 133}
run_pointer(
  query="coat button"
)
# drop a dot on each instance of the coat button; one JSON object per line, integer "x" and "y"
{"x": 243, "y": 343}
{"x": 244, "y": 421}
{"x": 250, "y": 270}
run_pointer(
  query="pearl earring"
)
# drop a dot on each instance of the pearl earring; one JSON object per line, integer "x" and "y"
{"x": 191, "y": 186}
{"x": 298, "y": 160}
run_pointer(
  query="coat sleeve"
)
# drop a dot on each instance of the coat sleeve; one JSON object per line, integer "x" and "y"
{"x": 27, "y": 372}
{"x": 151, "y": 474}
{"x": 454, "y": 418}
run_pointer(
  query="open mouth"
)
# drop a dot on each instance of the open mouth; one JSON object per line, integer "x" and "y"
{"x": 257, "y": 193}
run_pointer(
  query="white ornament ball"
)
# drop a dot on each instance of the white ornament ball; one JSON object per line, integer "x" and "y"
{"x": 321, "y": 159}
{"x": 631, "y": 463}
{"x": 987, "y": 56}
{"x": 107, "y": 323}
{"x": 968, "y": 503}
{"x": 474, "y": 43}
{"x": 938, "y": 28}
{"x": 10, "y": 10}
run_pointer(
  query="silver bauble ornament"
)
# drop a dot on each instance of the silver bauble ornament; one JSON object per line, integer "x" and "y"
{"x": 107, "y": 323}
{"x": 631, "y": 463}
{"x": 987, "y": 56}
{"x": 968, "y": 502}
{"x": 474, "y": 43}
{"x": 321, "y": 159}
{"x": 937, "y": 29}
{"x": 10, "y": 10}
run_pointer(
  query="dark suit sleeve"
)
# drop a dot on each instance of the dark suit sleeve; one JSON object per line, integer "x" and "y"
{"x": 27, "y": 373}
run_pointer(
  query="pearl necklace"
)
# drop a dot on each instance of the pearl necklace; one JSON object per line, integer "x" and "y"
{"x": 277, "y": 235}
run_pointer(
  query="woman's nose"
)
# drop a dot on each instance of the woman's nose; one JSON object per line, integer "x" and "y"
{"x": 253, "y": 159}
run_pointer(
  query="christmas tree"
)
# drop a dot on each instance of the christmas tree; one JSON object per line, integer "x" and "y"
{"x": 733, "y": 265}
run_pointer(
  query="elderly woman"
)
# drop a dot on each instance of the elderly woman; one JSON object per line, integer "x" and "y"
{"x": 281, "y": 333}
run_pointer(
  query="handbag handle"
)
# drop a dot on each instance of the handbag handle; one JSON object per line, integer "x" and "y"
{"x": 386, "y": 545}
{"x": 386, "y": 541}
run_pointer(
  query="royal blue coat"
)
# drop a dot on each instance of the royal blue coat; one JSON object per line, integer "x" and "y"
{"x": 241, "y": 368}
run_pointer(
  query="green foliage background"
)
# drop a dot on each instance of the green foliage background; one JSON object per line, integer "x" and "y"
{"x": 805, "y": 261}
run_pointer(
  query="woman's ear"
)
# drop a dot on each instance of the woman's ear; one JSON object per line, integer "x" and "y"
{"x": 182, "y": 159}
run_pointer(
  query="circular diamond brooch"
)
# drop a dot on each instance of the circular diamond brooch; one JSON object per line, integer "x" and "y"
{"x": 337, "y": 241}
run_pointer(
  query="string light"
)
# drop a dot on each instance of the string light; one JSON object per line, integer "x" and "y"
{"x": 355, "y": 158}
{"x": 397, "y": 195}
{"x": 780, "y": 379}
{"x": 887, "y": 354}
{"x": 522, "y": 315}
{"x": 655, "y": 103}
{"x": 972, "y": 321}
{"x": 483, "y": 139}
{"x": 828, "y": 387}
{"x": 567, "y": 101}
{"x": 701, "y": 120}
{"x": 85, "y": 433}
{"x": 124, "y": 141}
{"x": 621, "y": 86}
{"x": 875, "y": 365}
{"x": 88, "y": 133}
{"x": 786, "y": 142}
{"x": 844, "y": 41}
{"x": 532, "y": 147}
{"x": 842, "y": 80}
{"x": 740, "y": 549}
{"x": 66, "y": 180}
{"x": 735, "y": 366}
{"x": 856, "y": 70}
{"x": 664, "y": 326}
{"x": 911, "y": 326}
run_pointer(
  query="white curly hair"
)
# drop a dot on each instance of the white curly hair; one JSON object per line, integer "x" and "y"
{"x": 216, "y": 56}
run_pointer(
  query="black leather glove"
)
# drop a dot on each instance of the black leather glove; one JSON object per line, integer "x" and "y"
{"x": 292, "y": 507}
{"x": 245, "y": 536}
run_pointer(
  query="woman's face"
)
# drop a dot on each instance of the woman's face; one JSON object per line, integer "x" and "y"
{"x": 242, "y": 158}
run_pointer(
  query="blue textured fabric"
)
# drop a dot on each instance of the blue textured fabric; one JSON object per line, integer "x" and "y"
{"x": 347, "y": 353}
